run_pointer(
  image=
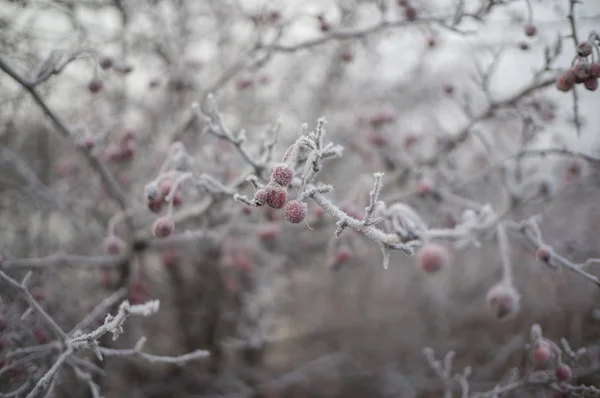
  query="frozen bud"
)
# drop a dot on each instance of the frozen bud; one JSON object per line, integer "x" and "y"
{"x": 503, "y": 300}
{"x": 282, "y": 174}
{"x": 541, "y": 353}
{"x": 530, "y": 30}
{"x": 563, "y": 372}
{"x": 276, "y": 197}
{"x": 584, "y": 49}
{"x": 295, "y": 211}
{"x": 432, "y": 257}
{"x": 95, "y": 85}
{"x": 113, "y": 245}
{"x": 163, "y": 227}
{"x": 260, "y": 197}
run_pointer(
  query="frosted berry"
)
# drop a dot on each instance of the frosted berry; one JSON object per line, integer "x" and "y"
{"x": 295, "y": 211}
{"x": 530, "y": 30}
{"x": 582, "y": 72}
{"x": 563, "y": 372}
{"x": 163, "y": 227}
{"x": 113, "y": 245}
{"x": 584, "y": 49}
{"x": 282, "y": 175}
{"x": 432, "y": 257}
{"x": 591, "y": 83}
{"x": 503, "y": 300}
{"x": 566, "y": 80}
{"x": 95, "y": 85}
{"x": 260, "y": 197}
{"x": 541, "y": 353}
{"x": 276, "y": 197}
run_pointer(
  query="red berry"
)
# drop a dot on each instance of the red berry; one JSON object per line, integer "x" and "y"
{"x": 448, "y": 88}
{"x": 113, "y": 245}
{"x": 155, "y": 206}
{"x": 543, "y": 254}
{"x": 276, "y": 197}
{"x": 95, "y": 85}
{"x": 582, "y": 72}
{"x": 591, "y": 83}
{"x": 530, "y": 30}
{"x": 295, "y": 211}
{"x": 163, "y": 227}
{"x": 432, "y": 257}
{"x": 260, "y": 197}
{"x": 584, "y": 49}
{"x": 541, "y": 353}
{"x": 106, "y": 62}
{"x": 341, "y": 255}
{"x": 164, "y": 186}
{"x": 282, "y": 174}
{"x": 503, "y": 300}
{"x": 563, "y": 372}
{"x": 138, "y": 292}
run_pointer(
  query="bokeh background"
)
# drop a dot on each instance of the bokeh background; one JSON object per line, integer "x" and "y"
{"x": 291, "y": 310}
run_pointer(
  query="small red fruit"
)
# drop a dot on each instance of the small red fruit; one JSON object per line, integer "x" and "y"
{"x": 276, "y": 197}
{"x": 260, "y": 197}
{"x": 295, "y": 211}
{"x": 530, "y": 30}
{"x": 163, "y": 227}
{"x": 563, "y": 372}
{"x": 282, "y": 174}
{"x": 432, "y": 257}
{"x": 541, "y": 353}
{"x": 95, "y": 85}
{"x": 584, "y": 49}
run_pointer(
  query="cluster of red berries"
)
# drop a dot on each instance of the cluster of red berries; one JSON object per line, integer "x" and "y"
{"x": 541, "y": 356}
{"x": 274, "y": 195}
{"x": 584, "y": 72}
{"x": 95, "y": 85}
{"x": 157, "y": 193}
{"x": 123, "y": 150}
{"x": 410, "y": 12}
